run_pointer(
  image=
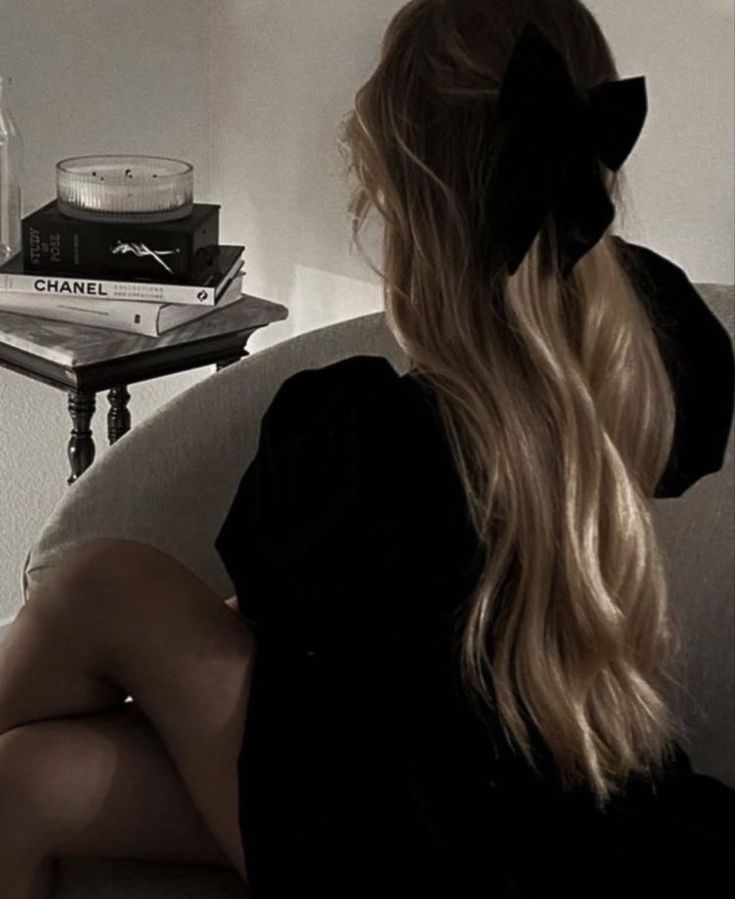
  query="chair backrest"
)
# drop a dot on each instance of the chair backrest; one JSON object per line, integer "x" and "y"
{"x": 169, "y": 482}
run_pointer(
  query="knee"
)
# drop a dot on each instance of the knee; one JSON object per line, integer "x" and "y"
{"x": 104, "y": 558}
{"x": 45, "y": 788}
{"x": 91, "y": 575}
{"x": 19, "y": 799}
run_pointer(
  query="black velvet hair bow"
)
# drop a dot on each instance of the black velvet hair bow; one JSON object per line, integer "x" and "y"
{"x": 554, "y": 137}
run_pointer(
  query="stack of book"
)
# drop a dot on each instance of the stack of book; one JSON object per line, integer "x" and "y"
{"x": 145, "y": 279}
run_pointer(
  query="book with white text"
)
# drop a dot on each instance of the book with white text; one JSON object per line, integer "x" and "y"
{"x": 151, "y": 319}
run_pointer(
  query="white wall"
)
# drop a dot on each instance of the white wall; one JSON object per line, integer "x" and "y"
{"x": 252, "y": 92}
{"x": 89, "y": 76}
{"x": 681, "y": 172}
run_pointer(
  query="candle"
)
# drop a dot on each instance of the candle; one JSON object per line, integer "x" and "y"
{"x": 125, "y": 188}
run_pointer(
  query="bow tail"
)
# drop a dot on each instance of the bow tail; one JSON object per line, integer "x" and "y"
{"x": 583, "y": 214}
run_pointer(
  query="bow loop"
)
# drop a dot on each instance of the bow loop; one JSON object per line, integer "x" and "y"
{"x": 619, "y": 110}
{"x": 554, "y": 137}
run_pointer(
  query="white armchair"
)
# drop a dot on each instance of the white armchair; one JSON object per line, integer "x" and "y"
{"x": 148, "y": 487}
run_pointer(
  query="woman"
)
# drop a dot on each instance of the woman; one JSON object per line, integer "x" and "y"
{"x": 444, "y": 671}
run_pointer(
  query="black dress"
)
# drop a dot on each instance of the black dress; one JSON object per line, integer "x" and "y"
{"x": 362, "y": 770}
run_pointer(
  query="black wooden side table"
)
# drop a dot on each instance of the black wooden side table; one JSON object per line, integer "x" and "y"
{"x": 83, "y": 360}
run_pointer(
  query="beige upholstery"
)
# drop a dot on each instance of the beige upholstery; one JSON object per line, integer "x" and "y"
{"x": 169, "y": 483}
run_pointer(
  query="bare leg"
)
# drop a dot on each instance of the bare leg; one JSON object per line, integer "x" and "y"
{"x": 29, "y": 877}
{"x": 62, "y": 687}
{"x": 95, "y": 786}
{"x": 36, "y": 683}
{"x": 121, "y": 618}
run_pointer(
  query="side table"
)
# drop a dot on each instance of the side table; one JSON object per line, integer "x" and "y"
{"x": 82, "y": 360}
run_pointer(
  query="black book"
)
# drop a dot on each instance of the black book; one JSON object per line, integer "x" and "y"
{"x": 174, "y": 252}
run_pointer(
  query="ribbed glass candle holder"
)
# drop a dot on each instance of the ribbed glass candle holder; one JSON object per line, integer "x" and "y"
{"x": 133, "y": 189}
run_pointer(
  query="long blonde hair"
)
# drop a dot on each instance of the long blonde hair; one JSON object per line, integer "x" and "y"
{"x": 554, "y": 397}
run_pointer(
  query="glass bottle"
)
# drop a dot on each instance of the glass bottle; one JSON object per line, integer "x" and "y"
{"x": 11, "y": 161}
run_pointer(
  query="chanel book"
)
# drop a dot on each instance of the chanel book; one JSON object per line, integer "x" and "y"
{"x": 202, "y": 292}
{"x": 151, "y": 319}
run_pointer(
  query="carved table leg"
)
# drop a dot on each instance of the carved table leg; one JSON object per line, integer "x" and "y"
{"x": 118, "y": 415}
{"x": 231, "y": 360}
{"x": 80, "y": 451}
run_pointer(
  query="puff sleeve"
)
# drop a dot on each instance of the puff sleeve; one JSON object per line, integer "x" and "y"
{"x": 251, "y": 523}
{"x": 698, "y": 353}
{"x": 306, "y": 516}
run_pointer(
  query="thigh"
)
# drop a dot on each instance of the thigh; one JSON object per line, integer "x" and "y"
{"x": 99, "y": 785}
{"x": 156, "y": 629}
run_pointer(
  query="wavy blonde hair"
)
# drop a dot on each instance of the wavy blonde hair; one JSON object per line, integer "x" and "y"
{"x": 554, "y": 397}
